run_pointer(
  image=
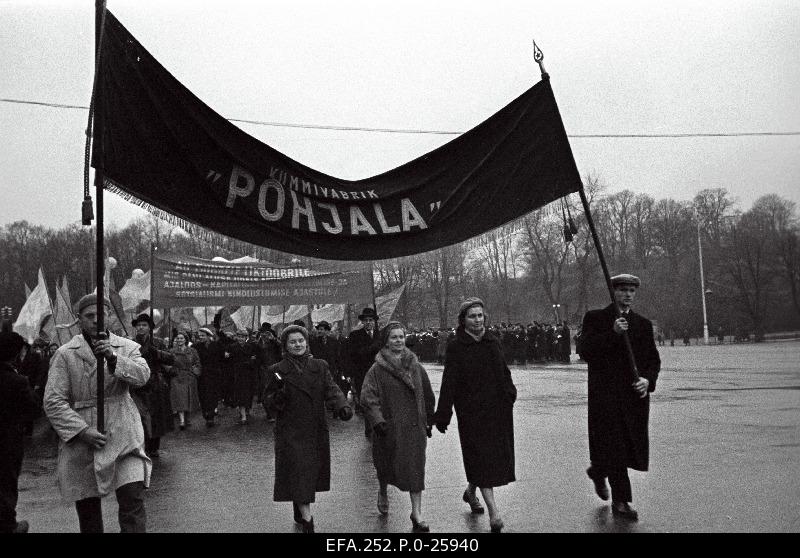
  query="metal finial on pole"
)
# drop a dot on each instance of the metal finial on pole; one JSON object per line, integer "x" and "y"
{"x": 538, "y": 57}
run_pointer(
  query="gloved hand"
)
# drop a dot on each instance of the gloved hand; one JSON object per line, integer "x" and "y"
{"x": 345, "y": 413}
{"x": 380, "y": 429}
{"x": 441, "y": 427}
{"x": 429, "y": 431}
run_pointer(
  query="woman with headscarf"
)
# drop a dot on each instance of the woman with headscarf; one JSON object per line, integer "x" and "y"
{"x": 183, "y": 388}
{"x": 398, "y": 405}
{"x": 477, "y": 382}
{"x": 299, "y": 388}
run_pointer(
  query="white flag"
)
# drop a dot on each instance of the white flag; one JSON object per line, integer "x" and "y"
{"x": 329, "y": 312}
{"x": 135, "y": 290}
{"x": 63, "y": 316}
{"x": 33, "y": 312}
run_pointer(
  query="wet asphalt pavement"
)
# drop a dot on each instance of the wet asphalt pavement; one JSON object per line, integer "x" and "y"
{"x": 724, "y": 457}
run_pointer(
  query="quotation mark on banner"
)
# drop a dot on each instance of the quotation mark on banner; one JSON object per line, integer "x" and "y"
{"x": 434, "y": 207}
{"x": 215, "y": 175}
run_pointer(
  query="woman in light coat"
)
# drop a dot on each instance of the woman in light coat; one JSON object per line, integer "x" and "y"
{"x": 183, "y": 388}
{"x": 398, "y": 405}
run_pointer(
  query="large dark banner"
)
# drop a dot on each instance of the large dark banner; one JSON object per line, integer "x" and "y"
{"x": 188, "y": 281}
{"x": 160, "y": 145}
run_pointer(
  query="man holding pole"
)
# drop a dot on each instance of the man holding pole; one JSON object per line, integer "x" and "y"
{"x": 94, "y": 461}
{"x": 619, "y": 404}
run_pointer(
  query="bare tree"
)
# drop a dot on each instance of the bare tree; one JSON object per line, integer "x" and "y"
{"x": 748, "y": 266}
{"x": 548, "y": 254}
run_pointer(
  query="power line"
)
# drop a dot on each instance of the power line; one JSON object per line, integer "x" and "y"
{"x": 438, "y": 132}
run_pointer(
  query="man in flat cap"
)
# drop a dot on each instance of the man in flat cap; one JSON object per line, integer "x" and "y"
{"x": 91, "y": 464}
{"x": 619, "y": 405}
{"x": 18, "y": 406}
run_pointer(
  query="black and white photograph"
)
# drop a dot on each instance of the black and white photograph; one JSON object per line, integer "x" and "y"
{"x": 406, "y": 276}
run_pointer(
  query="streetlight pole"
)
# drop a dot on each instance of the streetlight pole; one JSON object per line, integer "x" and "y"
{"x": 702, "y": 283}
{"x": 555, "y": 311}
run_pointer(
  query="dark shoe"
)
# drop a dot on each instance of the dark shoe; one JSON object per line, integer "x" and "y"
{"x": 383, "y": 503}
{"x": 210, "y": 423}
{"x": 624, "y": 510}
{"x": 22, "y": 527}
{"x": 241, "y": 421}
{"x": 182, "y": 426}
{"x": 600, "y": 486}
{"x": 298, "y": 518}
{"x": 497, "y": 525}
{"x": 472, "y": 499}
{"x": 307, "y": 526}
{"x": 419, "y": 526}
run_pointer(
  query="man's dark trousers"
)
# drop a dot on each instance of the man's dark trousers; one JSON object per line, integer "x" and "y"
{"x": 132, "y": 516}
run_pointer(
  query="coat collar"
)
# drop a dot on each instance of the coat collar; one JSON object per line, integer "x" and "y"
{"x": 463, "y": 337}
{"x": 612, "y": 309}
{"x": 81, "y": 347}
{"x": 291, "y": 375}
{"x": 401, "y": 370}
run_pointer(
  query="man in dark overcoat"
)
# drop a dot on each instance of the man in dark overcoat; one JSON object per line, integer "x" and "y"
{"x": 362, "y": 346}
{"x": 152, "y": 399}
{"x": 327, "y": 347}
{"x": 18, "y": 406}
{"x": 619, "y": 405}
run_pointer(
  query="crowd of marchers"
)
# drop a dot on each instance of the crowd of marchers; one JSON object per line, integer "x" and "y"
{"x": 301, "y": 378}
{"x": 538, "y": 343}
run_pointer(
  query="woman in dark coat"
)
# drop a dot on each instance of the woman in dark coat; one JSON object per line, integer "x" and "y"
{"x": 398, "y": 406}
{"x": 298, "y": 390}
{"x": 477, "y": 381}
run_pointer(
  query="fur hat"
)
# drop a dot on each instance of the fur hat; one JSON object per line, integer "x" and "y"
{"x": 292, "y": 329}
{"x": 388, "y": 329}
{"x": 466, "y": 305}
{"x": 324, "y": 325}
{"x": 206, "y": 331}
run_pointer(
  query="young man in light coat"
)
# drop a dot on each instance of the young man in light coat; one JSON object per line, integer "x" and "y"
{"x": 91, "y": 463}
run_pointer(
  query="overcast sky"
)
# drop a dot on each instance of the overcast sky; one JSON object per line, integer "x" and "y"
{"x": 616, "y": 68}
